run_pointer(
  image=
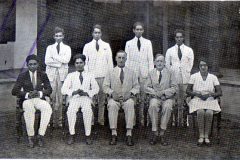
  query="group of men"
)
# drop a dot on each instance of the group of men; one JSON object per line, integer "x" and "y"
{"x": 95, "y": 75}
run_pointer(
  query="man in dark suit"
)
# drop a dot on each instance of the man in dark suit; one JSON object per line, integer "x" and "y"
{"x": 32, "y": 86}
{"x": 161, "y": 86}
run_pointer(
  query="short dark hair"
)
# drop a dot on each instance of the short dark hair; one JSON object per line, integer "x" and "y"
{"x": 204, "y": 59}
{"x": 97, "y": 26}
{"x": 81, "y": 56}
{"x": 179, "y": 31}
{"x": 138, "y": 24}
{"x": 121, "y": 51}
{"x": 58, "y": 29}
{"x": 31, "y": 57}
{"x": 158, "y": 55}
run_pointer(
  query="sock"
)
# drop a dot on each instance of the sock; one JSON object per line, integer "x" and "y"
{"x": 129, "y": 132}
{"x": 114, "y": 132}
{"x": 162, "y": 131}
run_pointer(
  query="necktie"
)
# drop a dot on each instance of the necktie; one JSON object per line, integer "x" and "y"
{"x": 58, "y": 48}
{"x": 121, "y": 76}
{"x": 138, "y": 44}
{"x": 81, "y": 77}
{"x": 97, "y": 46}
{"x": 33, "y": 81}
{"x": 179, "y": 53}
{"x": 160, "y": 77}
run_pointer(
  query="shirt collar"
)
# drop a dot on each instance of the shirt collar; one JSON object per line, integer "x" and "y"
{"x": 99, "y": 41}
{"x": 83, "y": 73}
{"x": 135, "y": 38}
{"x": 61, "y": 43}
{"x": 119, "y": 69}
{"x": 180, "y": 46}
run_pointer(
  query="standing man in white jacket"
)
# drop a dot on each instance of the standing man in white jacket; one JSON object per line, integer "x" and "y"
{"x": 57, "y": 58}
{"x": 180, "y": 59}
{"x": 98, "y": 61}
{"x": 140, "y": 59}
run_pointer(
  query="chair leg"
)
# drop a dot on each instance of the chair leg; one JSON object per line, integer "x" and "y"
{"x": 219, "y": 118}
{"x": 211, "y": 133}
{"x": 19, "y": 124}
{"x": 64, "y": 121}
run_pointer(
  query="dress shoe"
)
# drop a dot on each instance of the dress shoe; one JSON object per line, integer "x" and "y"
{"x": 163, "y": 141}
{"x": 70, "y": 139}
{"x": 113, "y": 140}
{"x": 89, "y": 140}
{"x": 30, "y": 142}
{"x": 200, "y": 142}
{"x": 207, "y": 142}
{"x": 153, "y": 140}
{"x": 130, "y": 141}
{"x": 40, "y": 140}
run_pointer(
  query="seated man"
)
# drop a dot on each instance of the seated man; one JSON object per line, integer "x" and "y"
{"x": 161, "y": 87}
{"x": 121, "y": 86}
{"x": 80, "y": 86}
{"x": 32, "y": 86}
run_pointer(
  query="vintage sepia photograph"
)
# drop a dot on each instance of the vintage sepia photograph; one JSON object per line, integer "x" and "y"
{"x": 119, "y": 79}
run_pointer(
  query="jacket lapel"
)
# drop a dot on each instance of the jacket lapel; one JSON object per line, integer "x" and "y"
{"x": 29, "y": 82}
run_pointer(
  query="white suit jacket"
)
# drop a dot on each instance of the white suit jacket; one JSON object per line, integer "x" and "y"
{"x": 112, "y": 82}
{"x": 55, "y": 61}
{"x": 140, "y": 61}
{"x": 168, "y": 83}
{"x": 183, "y": 67}
{"x": 98, "y": 62}
{"x": 72, "y": 83}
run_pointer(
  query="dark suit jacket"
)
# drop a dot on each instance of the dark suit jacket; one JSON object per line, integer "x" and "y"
{"x": 24, "y": 83}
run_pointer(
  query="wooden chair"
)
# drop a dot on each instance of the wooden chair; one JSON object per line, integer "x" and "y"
{"x": 19, "y": 119}
{"x": 217, "y": 116}
{"x": 65, "y": 108}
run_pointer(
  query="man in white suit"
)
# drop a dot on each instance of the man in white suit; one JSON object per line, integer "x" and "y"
{"x": 180, "y": 59}
{"x": 98, "y": 61}
{"x": 57, "y": 58}
{"x": 140, "y": 59}
{"x": 121, "y": 86}
{"x": 80, "y": 86}
{"x": 161, "y": 87}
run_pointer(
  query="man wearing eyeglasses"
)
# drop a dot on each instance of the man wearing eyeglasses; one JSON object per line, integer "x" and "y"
{"x": 57, "y": 58}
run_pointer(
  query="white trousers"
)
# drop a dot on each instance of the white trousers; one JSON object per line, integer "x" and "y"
{"x": 153, "y": 110}
{"x": 84, "y": 103}
{"x": 129, "y": 111}
{"x": 29, "y": 108}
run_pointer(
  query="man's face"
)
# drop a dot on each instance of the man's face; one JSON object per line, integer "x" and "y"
{"x": 97, "y": 34}
{"x": 121, "y": 59}
{"x": 79, "y": 64}
{"x": 179, "y": 38}
{"x": 203, "y": 67}
{"x": 58, "y": 37}
{"x": 32, "y": 65}
{"x": 138, "y": 31}
{"x": 159, "y": 63}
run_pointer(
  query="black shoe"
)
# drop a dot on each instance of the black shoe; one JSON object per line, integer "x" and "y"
{"x": 40, "y": 140}
{"x": 153, "y": 140}
{"x": 208, "y": 144}
{"x": 200, "y": 144}
{"x": 113, "y": 140}
{"x": 70, "y": 139}
{"x": 30, "y": 142}
{"x": 163, "y": 141}
{"x": 130, "y": 141}
{"x": 89, "y": 140}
